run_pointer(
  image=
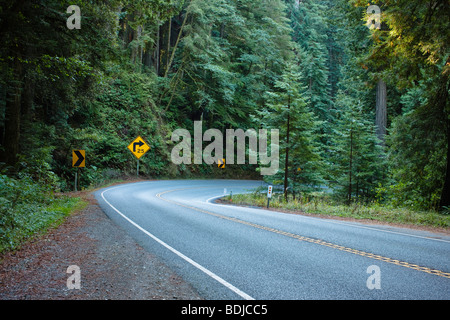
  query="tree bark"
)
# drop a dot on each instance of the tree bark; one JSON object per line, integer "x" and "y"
{"x": 157, "y": 50}
{"x": 174, "y": 49}
{"x": 286, "y": 164}
{"x": 445, "y": 195}
{"x": 381, "y": 111}
{"x": 136, "y": 51}
{"x": 11, "y": 138}
{"x": 169, "y": 33}
{"x": 349, "y": 196}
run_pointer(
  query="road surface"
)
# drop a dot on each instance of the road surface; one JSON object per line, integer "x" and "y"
{"x": 230, "y": 252}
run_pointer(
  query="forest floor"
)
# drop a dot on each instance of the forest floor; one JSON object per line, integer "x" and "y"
{"x": 112, "y": 265}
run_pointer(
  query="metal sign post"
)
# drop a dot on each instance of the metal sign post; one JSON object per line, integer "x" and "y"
{"x": 76, "y": 179}
{"x": 137, "y": 169}
{"x": 78, "y": 161}
{"x": 269, "y": 195}
{"x": 138, "y": 147}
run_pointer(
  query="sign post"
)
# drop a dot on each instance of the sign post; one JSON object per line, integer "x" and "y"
{"x": 137, "y": 169}
{"x": 76, "y": 179}
{"x": 269, "y": 195}
{"x": 138, "y": 147}
{"x": 78, "y": 161}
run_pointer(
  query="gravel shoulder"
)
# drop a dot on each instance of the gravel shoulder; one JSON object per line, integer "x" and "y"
{"x": 112, "y": 265}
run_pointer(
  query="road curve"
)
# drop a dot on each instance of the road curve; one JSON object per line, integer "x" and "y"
{"x": 230, "y": 252}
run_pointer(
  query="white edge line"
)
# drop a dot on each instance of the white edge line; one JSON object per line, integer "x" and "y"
{"x": 209, "y": 201}
{"x": 187, "y": 259}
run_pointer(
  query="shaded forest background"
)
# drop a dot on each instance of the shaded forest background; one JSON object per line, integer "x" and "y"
{"x": 362, "y": 112}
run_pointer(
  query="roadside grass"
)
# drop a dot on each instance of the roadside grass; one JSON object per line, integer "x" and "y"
{"x": 28, "y": 209}
{"x": 325, "y": 206}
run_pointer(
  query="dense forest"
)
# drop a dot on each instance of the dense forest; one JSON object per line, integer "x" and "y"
{"x": 362, "y": 109}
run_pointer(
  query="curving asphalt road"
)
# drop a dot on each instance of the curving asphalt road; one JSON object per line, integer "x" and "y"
{"x": 230, "y": 252}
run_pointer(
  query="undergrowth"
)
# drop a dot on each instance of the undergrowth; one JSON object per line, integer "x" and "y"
{"x": 28, "y": 208}
{"x": 324, "y": 205}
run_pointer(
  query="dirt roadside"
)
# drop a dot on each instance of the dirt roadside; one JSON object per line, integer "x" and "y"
{"x": 112, "y": 265}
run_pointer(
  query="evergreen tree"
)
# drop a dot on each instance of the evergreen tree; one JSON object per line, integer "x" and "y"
{"x": 417, "y": 150}
{"x": 309, "y": 68}
{"x": 287, "y": 111}
{"x": 355, "y": 154}
{"x": 47, "y": 69}
{"x": 309, "y": 25}
{"x": 416, "y": 49}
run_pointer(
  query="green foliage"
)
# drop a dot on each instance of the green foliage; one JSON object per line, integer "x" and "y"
{"x": 412, "y": 49}
{"x": 310, "y": 27}
{"x": 149, "y": 67}
{"x": 27, "y": 208}
{"x": 323, "y": 205}
{"x": 356, "y": 156}
{"x": 286, "y": 102}
{"x": 418, "y": 161}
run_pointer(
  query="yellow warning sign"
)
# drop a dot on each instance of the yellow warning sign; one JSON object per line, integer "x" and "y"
{"x": 78, "y": 158}
{"x": 138, "y": 147}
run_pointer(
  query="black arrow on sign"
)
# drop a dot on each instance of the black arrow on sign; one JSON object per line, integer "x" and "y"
{"x": 140, "y": 144}
{"x": 80, "y": 158}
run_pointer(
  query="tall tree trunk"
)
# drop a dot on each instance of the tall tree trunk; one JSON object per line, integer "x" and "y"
{"x": 222, "y": 30}
{"x": 174, "y": 49}
{"x": 286, "y": 164}
{"x": 11, "y": 138}
{"x": 445, "y": 195}
{"x": 381, "y": 110}
{"x": 169, "y": 33}
{"x": 136, "y": 51}
{"x": 157, "y": 50}
{"x": 26, "y": 104}
{"x": 349, "y": 196}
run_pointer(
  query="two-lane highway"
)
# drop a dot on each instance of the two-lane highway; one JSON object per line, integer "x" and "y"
{"x": 230, "y": 252}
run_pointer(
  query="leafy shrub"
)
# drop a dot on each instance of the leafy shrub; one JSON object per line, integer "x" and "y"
{"x": 27, "y": 207}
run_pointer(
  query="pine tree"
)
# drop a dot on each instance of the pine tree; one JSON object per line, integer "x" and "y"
{"x": 287, "y": 111}
{"x": 230, "y": 53}
{"x": 309, "y": 25}
{"x": 415, "y": 51}
{"x": 355, "y": 154}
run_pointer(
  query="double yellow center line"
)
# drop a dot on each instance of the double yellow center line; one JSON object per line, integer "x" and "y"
{"x": 308, "y": 239}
